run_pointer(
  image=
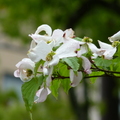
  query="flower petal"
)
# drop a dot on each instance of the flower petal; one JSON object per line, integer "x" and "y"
{"x": 37, "y": 38}
{"x": 68, "y": 49}
{"x": 17, "y": 73}
{"x": 57, "y": 36}
{"x": 104, "y": 45}
{"x": 108, "y": 54}
{"x": 83, "y": 49}
{"x": 42, "y": 94}
{"x": 54, "y": 61}
{"x": 45, "y": 28}
{"x": 75, "y": 79}
{"x": 86, "y": 64}
{"x": 69, "y": 33}
{"x": 39, "y": 52}
{"x": 93, "y": 48}
{"x": 115, "y": 37}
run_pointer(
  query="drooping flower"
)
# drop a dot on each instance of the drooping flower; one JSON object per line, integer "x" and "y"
{"x": 42, "y": 94}
{"x": 25, "y": 69}
{"x": 75, "y": 78}
{"x": 86, "y": 65}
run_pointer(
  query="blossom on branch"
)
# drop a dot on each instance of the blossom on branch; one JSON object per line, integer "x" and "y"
{"x": 55, "y": 54}
{"x": 25, "y": 69}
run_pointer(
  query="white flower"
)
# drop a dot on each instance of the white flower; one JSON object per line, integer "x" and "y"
{"x": 107, "y": 50}
{"x": 42, "y": 94}
{"x": 115, "y": 37}
{"x": 25, "y": 69}
{"x": 86, "y": 45}
{"x": 56, "y": 37}
{"x": 44, "y": 51}
{"x": 75, "y": 78}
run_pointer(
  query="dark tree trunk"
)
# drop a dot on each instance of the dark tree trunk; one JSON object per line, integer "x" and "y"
{"x": 80, "y": 110}
{"x": 110, "y": 97}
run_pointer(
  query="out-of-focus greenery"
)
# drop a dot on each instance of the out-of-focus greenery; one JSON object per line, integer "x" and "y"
{"x": 20, "y": 18}
{"x": 13, "y": 109}
{"x": 96, "y": 19}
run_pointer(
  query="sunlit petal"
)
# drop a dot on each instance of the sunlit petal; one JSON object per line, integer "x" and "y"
{"x": 39, "y": 52}
{"x": 68, "y": 49}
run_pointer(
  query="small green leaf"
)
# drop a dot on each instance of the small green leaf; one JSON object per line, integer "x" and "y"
{"x": 72, "y": 62}
{"x": 66, "y": 84}
{"x": 29, "y": 90}
{"x": 54, "y": 87}
{"x": 118, "y": 51}
{"x": 37, "y": 65}
{"x": 78, "y": 39}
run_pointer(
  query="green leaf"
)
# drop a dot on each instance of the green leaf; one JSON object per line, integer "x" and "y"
{"x": 72, "y": 62}
{"x": 29, "y": 90}
{"x": 78, "y": 39}
{"x": 66, "y": 84}
{"x": 61, "y": 69}
{"x": 94, "y": 75}
{"x": 54, "y": 87}
{"x": 116, "y": 64}
{"x": 37, "y": 65}
{"x": 118, "y": 51}
{"x": 104, "y": 63}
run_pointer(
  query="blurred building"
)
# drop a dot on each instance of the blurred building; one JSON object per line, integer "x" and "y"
{"x": 11, "y": 52}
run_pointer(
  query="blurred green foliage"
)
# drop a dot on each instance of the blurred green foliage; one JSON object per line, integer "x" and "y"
{"x": 96, "y": 19}
{"x": 11, "y": 108}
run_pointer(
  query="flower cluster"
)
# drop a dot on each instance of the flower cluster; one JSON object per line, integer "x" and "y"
{"x": 54, "y": 47}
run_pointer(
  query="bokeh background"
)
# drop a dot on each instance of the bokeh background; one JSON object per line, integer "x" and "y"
{"x": 97, "y": 19}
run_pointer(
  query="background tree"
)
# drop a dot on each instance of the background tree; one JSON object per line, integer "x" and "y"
{"x": 94, "y": 18}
